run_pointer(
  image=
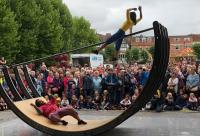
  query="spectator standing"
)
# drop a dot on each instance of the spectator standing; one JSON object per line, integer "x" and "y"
{"x": 88, "y": 85}
{"x": 112, "y": 84}
{"x": 97, "y": 82}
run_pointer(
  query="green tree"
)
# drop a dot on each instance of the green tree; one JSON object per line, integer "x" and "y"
{"x": 8, "y": 32}
{"x": 109, "y": 52}
{"x": 144, "y": 56}
{"x": 66, "y": 23}
{"x": 132, "y": 55}
{"x": 50, "y": 40}
{"x": 28, "y": 17}
{"x": 83, "y": 34}
{"x": 196, "y": 49}
{"x": 151, "y": 50}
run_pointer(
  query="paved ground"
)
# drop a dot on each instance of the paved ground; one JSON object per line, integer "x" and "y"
{"x": 142, "y": 124}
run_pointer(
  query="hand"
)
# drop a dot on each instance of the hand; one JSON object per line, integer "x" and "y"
{"x": 140, "y": 8}
{"x": 32, "y": 104}
{"x": 135, "y": 9}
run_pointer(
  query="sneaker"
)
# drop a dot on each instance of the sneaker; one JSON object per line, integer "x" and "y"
{"x": 95, "y": 51}
{"x": 81, "y": 122}
{"x": 64, "y": 123}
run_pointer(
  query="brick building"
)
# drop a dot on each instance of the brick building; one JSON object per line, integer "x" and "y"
{"x": 180, "y": 45}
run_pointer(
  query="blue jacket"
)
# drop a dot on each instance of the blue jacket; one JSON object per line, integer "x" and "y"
{"x": 111, "y": 79}
{"x": 192, "y": 80}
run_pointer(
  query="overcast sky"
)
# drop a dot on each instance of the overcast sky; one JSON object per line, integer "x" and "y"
{"x": 181, "y": 17}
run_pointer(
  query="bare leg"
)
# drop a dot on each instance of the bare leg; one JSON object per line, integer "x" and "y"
{"x": 101, "y": 47}
{"x": 70, "y": 111}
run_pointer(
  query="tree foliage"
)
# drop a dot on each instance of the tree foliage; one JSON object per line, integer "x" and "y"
{"x": 137, "y": 55}
{"x": 36, "y": 28}
{"x": 196, "y": 49}
{"x": 151, "y": 50}
{"x": 144, "y": 56}
{"x": 83, "y": 34}
{"x": 132, "y": 55}
{"x": 109, "y": 52}
{"x": 8, "y": 32}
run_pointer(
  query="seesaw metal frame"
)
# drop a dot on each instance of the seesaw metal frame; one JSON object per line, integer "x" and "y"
{"x": 157, "y": 73}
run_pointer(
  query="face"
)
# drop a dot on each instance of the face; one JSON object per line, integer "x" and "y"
{"x": 81, "y": 97}
{"x": 51, "y": 73}
{"x": 57, "y": 75}
{"x": 33, "y": 73}
{"x": 96, "y": 73}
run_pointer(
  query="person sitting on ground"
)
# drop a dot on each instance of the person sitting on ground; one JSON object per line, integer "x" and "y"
{"x": 126, "y": 102}
{"x": 74, "y": 102}
{"x": 131, "y": 20}
{"x": 82, "y": 102}
{"x": 90, "y": 104}
{"x": 3, "y": 105}
{"x": 97, "y": 101}
{"x": 192, "y": 102}
{"x": 170, "y": 104}
{"x": 54, "y": 113}
{"x": 156, "y": 102}
{"x": 181, "y": 100}
{"x": 64, "y": 102}
{"x": 105, "y": 103}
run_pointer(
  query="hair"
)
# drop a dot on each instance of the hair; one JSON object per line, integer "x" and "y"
{"x": 38, "y": 103}
{"x": 133, "y": 17}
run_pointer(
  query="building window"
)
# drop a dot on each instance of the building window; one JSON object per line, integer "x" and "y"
{"x": 176, "y": 39}
{"x": 137, "y": 39}
{"x": 149, "y": 39}
{"x": 177, "y": 47}
{"x": 187, "y": 39}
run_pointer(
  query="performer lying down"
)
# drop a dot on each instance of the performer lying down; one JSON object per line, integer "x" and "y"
{"x": 54, "y": 113}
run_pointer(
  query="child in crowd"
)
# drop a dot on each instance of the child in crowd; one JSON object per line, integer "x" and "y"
{"x": 126, "y": 102}
{"x": 156, "y": 102}
{"x": 181, "y": 100}
{"x": 97, "y": 101}
{"x": 58, "y": 100}
{"x": 82, "y": 102}
{"x": 74, "y": 102}
{"x": 3, "y": 105}
{"x": 90, "y": 104}
{"x": 105, "y": 103}
{"x": 64, "y": 102}
{"x": 105, "y": 100}
{"x": 192, "y": 102}
{"x": 169, "y": 102}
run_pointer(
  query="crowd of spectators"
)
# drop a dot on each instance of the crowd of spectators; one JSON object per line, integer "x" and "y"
{"x": 107, "y": 88}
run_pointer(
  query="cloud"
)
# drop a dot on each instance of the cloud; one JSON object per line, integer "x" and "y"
{"x": 106, "y": 16}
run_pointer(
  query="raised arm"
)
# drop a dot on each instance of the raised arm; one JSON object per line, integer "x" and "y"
{"x": 128, "y": 12}
{"x": 141, "y": 15}
{"x": 37, "y": 109}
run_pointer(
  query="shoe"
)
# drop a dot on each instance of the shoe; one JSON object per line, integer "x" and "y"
{"x": 81, "y": 122}
{"x": 64, "y": 123}
{"x": 95, "y": 51}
